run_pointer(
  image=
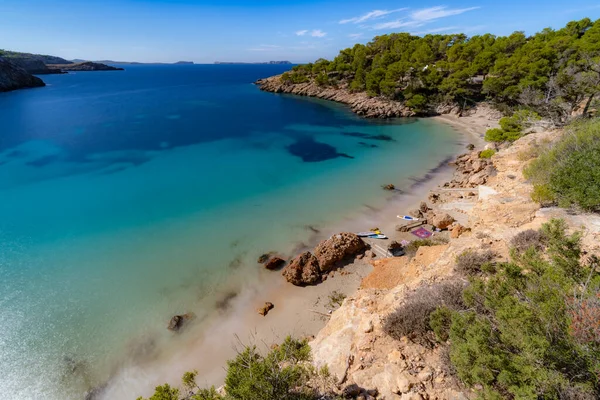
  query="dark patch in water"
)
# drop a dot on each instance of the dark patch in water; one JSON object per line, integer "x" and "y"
{"x": 429, "y": 175}
{"x": 310, "y": 150}
{"x": 43, "y": 161}
{"x": 312, "y": 229}
{"x": 385, "y": 138}
{"x": 367, "y": 145}
{"x": 224, "y": 303}
{"x": 16, "y": 154}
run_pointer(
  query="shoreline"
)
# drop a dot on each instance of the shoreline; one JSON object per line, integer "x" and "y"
{"x": 299, "y": 311}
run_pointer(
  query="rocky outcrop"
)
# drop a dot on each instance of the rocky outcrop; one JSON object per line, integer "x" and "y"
{"x": 264, "y": 310}
{"x": 34, "y": 66}
{"x": 274, "y": 263}
{"x": 13, "y": 77}
{"x": 303, "y": 270}
{"x": 360, "y": 103}
{"x": 337, "y": 248}
{"x": 441, "y": 220}
{"x": 471, "y": 171}
{"x": 84, "y": 66}
{"x": 178, "y": 321}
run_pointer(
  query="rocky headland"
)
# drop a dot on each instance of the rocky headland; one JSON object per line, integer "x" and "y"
{"x": 83, "y": 66}
{"x": 13, "y": 77}
{"x": 359, "y": 102}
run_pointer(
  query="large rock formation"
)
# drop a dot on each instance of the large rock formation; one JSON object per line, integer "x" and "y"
{"x": 34, "y": 66}
{"x": 360, "y": 103}
{"x": 338, "y": 247}
{"x": 13, "y": 77}
{"x": 303, "y": 270}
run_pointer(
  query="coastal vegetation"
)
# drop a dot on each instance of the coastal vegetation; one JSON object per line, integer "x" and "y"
{"x": 568, "y": 173}
{"x": 283, "y": 373}
{"x": 525, "y": 329}
{"x": 553, "y": 72}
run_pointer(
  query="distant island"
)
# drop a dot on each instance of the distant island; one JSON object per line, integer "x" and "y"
{"x": 262, "y": 63}
{"x": 78, "y": 60}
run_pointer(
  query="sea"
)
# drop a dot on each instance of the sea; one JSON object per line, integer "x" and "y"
{"x": 127, "y": 197}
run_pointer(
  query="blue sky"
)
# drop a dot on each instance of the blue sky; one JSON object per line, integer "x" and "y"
{"x": 297, "y": 30}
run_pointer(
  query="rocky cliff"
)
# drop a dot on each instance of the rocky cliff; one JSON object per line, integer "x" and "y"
{"x": 354, "y": 344}
{"x": 360, "y": 103}
{"x": 13, "y": 77}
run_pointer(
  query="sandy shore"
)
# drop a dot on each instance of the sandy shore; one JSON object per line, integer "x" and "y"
{"x": 299, "y": 311}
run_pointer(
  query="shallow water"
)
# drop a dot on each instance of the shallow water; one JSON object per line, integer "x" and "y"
{"x": 127, "y": 197}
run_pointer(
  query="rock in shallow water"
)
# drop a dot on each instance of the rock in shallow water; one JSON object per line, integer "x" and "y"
{"x": 178, "y": 321}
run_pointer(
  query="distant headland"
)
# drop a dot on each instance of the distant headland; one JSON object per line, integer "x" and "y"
{"x": 261, "y": 63}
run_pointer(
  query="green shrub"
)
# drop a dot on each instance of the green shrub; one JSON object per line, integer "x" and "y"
{"x": 487, "y": 153}
{"x": 282, "y": 373}
{"x": 568, "y": 173}
{"x": 511, "y": 128}
{"x": 412, "y": 319}
{"x": 473, "y": 262}
{"x": 517, "y": 338}
{"x": 417, "y": 103}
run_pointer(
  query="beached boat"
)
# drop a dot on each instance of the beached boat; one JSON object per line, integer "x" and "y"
{"x": 407, "y": 217}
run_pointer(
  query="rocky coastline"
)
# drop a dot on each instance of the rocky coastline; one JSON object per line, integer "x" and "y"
{"x": 13, "y": 77}
{"x": 83, "y": 66}
{"x": 359, "y": 102}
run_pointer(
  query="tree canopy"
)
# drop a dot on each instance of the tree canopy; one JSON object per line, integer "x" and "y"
{"x": 553, "y": 71}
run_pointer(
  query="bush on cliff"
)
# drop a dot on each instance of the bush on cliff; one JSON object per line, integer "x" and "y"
{"x": 531, "y": 329}
{"x": 511, "y": 128}
{"x": 282, "y": 374}
{"x": 568, "y": 173}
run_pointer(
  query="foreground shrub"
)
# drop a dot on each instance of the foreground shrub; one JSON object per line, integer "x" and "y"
{"x": 282, "y": 373}
{"x": 472, "y": 262}
{"x": 568, "y": 173}
{"x": 517, "y": 340}
{"x": 412, "y": 319}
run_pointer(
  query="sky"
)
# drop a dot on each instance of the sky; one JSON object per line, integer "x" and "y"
{"x": 205, "y": 31}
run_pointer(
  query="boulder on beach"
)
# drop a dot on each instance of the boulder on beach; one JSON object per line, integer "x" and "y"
{"x": 178, "y": 321}
{"x": 337, "y": 248}
{"x": 303, "y": 270}
{"x": 264, "y": 310}
{"x": 274, "y": 263}
{"x": 442, "y": 220}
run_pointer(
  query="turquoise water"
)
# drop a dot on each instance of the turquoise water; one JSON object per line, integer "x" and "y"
{"x": 127, "y": 197}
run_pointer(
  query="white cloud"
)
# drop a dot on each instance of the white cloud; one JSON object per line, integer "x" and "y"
{"x": 437, "y": 30}
{"x": 429, "y": 14}
{"x": 422, "y": 17}
{"x": 355, "y": 35}
{"x": 370, "y": 15}
{"x": 302, "y": 32}
{"x": 318, "y": 33}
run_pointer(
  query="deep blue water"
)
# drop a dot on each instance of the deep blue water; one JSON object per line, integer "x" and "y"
{"x": 127, "y": 197}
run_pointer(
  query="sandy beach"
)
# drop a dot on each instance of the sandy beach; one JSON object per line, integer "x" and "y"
{"x": 298, "y": 311}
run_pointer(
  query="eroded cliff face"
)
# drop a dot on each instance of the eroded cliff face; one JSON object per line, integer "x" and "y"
{"x": 13, "y": 77}
{"x": 406, "y": 370}
{"x": 360, "y": 103}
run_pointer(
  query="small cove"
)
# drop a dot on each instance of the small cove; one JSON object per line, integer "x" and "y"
{"x": 128, "y": 197}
